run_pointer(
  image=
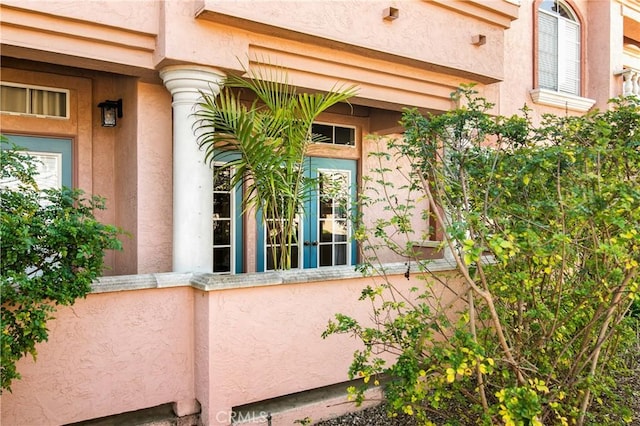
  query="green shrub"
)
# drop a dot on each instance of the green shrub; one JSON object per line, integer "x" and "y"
{"x": 543, "y": 227}
{"x": 51, "y": 249}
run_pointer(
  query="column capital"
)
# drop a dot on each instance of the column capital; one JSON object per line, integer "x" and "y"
{"x": 179, "y": 79}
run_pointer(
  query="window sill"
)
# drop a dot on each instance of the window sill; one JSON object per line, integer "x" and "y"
{"x": 561, "y": 100}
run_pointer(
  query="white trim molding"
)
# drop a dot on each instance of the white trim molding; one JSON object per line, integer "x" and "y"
{"x": 561, "y": 100}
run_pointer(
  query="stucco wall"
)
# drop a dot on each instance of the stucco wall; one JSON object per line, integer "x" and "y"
{"x": 391, "y": 200}
{"x": 107, "y": 354}
{"x": 265, "y": 340}
{"x": 154, "y": 178}
{"x": 224, "y": 340}
{"x": 416, "y": 60}
{"x": 120, "y": 13}
{"x": 417, "y": 34}
{"x": 601, "y": 24}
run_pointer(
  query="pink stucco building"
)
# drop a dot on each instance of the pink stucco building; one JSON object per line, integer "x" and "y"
{"x": 189, "y": 312}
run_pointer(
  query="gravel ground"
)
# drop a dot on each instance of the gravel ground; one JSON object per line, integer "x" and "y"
{"x": 377, "y": 416}
{"x": 374, "y": 416}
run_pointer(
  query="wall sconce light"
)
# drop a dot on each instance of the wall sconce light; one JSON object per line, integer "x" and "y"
{"x": 390, "y": 14}
{"x": 111, "y": 111}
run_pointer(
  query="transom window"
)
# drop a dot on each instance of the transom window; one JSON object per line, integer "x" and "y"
{"x": 34, "y": 100}
{"x": 335, "y": 135}
{"x": 558, "y": 48}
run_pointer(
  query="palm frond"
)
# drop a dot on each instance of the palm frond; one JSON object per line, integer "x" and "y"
{"x": 269, "y": 140}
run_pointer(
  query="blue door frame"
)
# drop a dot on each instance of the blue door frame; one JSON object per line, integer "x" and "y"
{"x": 49, "y": 145}
{"x": 314, "y": 223}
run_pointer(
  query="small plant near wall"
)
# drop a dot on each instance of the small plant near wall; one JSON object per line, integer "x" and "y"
{"x": 304, "y": 422}
{"x": 268, "y": 138}
{"x": 542, "y": 223}
{"x": 51, "y": 250}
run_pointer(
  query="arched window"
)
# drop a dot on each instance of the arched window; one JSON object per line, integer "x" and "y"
{"x": 558, "y": 48}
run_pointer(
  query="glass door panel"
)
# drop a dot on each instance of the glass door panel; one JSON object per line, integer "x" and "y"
{"x": 328, "y": 231}
{"x": 275, "y": 229}
{"x": 333, "y": 226}
{"x": 324, "y": 227}
{"x": 227, "y": 232}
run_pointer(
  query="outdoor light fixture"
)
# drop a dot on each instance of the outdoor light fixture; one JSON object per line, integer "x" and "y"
{"x": 111, "y": 111}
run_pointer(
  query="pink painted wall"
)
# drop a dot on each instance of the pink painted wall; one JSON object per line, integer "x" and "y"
{"x": 140, "y": 17}
{"x": 107, "y": 354}
{"x": 126, "y": 350}
{"x": 94, "y": 34}
{"x": 602, "y": 24}
{"x": 154, "y": 178}
{"x": 125, "y": 173}
{"x": 397, "y": 195}
{"x": 418, "y": 33}
{"x": 266, "y": 341}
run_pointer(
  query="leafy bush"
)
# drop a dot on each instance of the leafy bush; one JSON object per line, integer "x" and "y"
{"x": 542, "y": 224}
{"x": 52, "y": 248}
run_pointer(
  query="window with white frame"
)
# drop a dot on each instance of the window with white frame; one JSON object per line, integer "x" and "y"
{"x": 227, "y": 224}
{"x": 333, "y": 227}
{"x": 332, "y": 134}
{"x": 324, "y": 231}
{"x": 41, "y": 101}
{"x": 558, "y": 48}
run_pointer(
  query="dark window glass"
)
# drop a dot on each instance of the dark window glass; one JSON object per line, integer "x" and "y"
{"x": 341, "y": 254}
{"x": 345, "y": 136}
{"x": 222, "y": 220}
{"x": 326, "y": 255}
{"x": 222, "y": 205}
{"x": 222, "y": 259}
{"x": 323, "y": 133}
{"x": 335, "y": 135}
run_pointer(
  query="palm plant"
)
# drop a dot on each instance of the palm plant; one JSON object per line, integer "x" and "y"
{"x": 268, "y": 138}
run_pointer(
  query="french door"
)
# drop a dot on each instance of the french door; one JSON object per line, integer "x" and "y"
{"x": 325, "y": 225}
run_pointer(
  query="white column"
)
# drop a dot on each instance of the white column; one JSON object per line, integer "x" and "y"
{"x": 192, "y": 177}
